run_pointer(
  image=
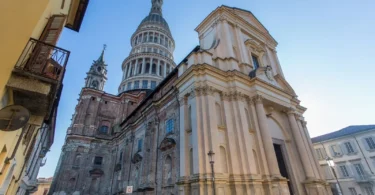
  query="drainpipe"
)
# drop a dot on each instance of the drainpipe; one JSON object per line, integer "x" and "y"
{"x": 16, "y": 147}
{"x": 363, "y": 155}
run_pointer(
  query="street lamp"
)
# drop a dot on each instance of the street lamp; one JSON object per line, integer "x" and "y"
{"x": 211, "y": 155}
{"x": 331, "y": 164}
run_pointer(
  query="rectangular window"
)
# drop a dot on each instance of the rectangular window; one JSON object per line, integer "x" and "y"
{"x": 255, "y": 61}
{"x": 169, "y": 126}
{"x": 103, "y": 129}
{"x": 369, "y": 191}
{"x": 144, "y": 84}
{"x": 349, "y": 147}
{"x": 129, "y": 86}
{"x": 353, "y": 191}
{"x": 344, "y": 171}
{"x": 153, "y": 84}
{"x": 359, "y": 169}
{"x": 98, "y": 160}
{"x": 136, "y": 84}
{"x": 370, "y": 142}
{"x": 140, "y": 144}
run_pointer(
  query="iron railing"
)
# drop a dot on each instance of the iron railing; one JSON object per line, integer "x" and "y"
{"x": 43, "y": 59}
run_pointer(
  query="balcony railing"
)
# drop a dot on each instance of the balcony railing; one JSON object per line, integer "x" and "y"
{"x": 43, "y": 59}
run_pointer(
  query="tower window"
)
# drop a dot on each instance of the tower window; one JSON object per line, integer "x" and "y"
{"x": 144, "y": 84}
{"x": 169, "y": 125}
{"x": 167, "y": 69}
{"x": 153, "y": 84}
{"x": 129, "y": 86}
{"x": 103, "y": 129}
{"x": 98, "y": 160}
{"x": 140, "y": 68}
{"x": 136, "y": 84}
{"x": 255, "y": 61}
{"x": 95, "y": 84}
{"x": 147, "y": 67}
{"x": 153, "y": 69}
{"x": 140, "y": 144}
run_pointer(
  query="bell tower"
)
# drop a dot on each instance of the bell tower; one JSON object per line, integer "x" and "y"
{"x": 97, "y": 75}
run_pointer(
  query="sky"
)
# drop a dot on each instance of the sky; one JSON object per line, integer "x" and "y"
{"x": 326, "y": 50}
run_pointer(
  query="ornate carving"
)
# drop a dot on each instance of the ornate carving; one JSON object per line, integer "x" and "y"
{"x": 258, "y": 99}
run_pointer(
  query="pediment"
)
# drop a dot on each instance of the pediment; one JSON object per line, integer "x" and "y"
{"x": 285, "y": 85}
{"x": 248, "y": 17}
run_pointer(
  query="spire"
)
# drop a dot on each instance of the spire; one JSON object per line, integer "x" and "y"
{"x": 156, "y": 7}
{"x": 101, "y": 57}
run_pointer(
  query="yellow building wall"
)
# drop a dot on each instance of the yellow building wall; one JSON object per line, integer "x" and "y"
{"x": 20, "y": 20}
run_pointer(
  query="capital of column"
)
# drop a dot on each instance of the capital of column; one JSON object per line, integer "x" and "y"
{"x": 290, "y": 111}
{"x": 258, "y": 99}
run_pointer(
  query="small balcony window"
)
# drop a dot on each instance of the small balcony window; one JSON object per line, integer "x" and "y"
{"x": 153, "y": 84}
{"x": 144, "y": 84}
{"x": 98, "y": 160}
{"x": 136, "y": 84}
{"x": 255, "y": 61}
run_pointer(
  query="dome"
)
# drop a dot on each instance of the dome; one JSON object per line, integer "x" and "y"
{"x": 154, "y": 18}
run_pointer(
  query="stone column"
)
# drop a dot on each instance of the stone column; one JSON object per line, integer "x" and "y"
{"x": 143, "y": 65}
{"x": 158, "y": 68}
{"x": 300, "y": 146}
{"x": 165, "y": 69}
{"x": 151, "y": 62}
{"x": 125, "y": 71}
{"x": 129, "y": 69}
{"x": 227, "y": 38}
{"x": 266, "y": 138}
{"x": 241, "y": 46}
{"x": 136, "y": 67}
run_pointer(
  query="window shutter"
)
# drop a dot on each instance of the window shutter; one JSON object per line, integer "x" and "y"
{"x": 331, "y": 150}
{"x": 344, "y": 149}
{"x": 365, "y": 143}
{"x": 354, "y": 145}
{"x": 53, "y": 29}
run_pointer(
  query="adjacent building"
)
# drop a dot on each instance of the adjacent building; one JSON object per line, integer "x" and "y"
{"x": 43, "y": 186}
{"x": 353, "y": 151}
{"x": 31, "y": 75}
{"x": 222, "y": 121}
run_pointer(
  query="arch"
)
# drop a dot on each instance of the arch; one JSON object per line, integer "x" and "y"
{"x": 167, "y": 170}
{"x": 255, "y": 156}
{"x": 277, "y": 130}
{"x": 95, "y": 84}
{"x": 223, "y": 160}
{"x": 191, "y": 162}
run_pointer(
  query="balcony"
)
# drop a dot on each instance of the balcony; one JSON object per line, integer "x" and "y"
{"x": 36, "y": 81}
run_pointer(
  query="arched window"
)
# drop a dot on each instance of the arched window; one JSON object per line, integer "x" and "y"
{"x": 147, "y": 67}
{"x": 103, "y": 129}
{"x": 223, "y": 160}
{"x": 167, "y": 172}
{"x": 153, "y": 69}
{"x": 140, "y": 68}
{"x": 131, "y": 71}
{"x": 191, "y": 162}
{"x": 256, "y": 161}
{"x": 219, "y": 116}
{"x": 77, "y": 161}
{"x": 95, "y": 84}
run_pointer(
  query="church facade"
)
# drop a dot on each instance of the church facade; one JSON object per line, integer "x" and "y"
{"x": 223, "y": 121}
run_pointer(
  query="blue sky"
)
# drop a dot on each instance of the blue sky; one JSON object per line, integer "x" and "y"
{"x": 326, "y": 50}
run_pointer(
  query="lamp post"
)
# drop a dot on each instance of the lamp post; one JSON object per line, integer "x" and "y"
{"x": 211, "y": 155}
{"x": 331, "y": 164}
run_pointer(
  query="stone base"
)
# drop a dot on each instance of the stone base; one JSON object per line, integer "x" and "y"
{"x": 317, "y": 187}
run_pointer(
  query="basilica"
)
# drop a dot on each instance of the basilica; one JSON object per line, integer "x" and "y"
{"x": 223, "y": 121}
